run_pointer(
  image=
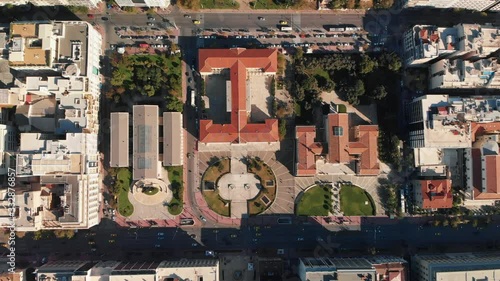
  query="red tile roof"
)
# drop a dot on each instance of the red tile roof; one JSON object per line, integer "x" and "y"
{"x": 238, "y": 61}
{"x": 436, "y": 194}
{"x": 479, "y": 129}
{"x": 341, "y": 150}
{"x": 492, "y": 167}
{"x": 307, "y": 150}
{"x": 338, "y": 145}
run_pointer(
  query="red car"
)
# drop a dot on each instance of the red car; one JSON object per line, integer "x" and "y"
{"x": 90, "y": 16}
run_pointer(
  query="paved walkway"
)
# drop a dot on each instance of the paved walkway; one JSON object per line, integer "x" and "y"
{"x": 370, "y": 184}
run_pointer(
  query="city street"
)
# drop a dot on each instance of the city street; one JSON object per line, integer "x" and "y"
{"x": 385, "y": 235}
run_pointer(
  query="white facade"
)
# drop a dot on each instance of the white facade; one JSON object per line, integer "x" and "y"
{"x": 457, "y": 266}
{"x": 7, "y": 144}
{"x": 71, "y": 48}
{"x": 72, "y": 164}
{"x": 86, "y": 3}
{"x": 143, "y": 3}
{"x": 478, "y": 5}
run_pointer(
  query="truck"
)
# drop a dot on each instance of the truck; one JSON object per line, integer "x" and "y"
{"x": 193, "y": 98}
{"x": 286, "y": 28}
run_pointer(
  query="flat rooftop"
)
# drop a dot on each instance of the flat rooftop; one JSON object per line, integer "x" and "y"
{"x": 173, "y": 146}
{"x": 145, "y": 141}
{"x": 119, "y": 139}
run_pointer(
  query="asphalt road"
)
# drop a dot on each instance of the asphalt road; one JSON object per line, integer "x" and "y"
{"x": 402, "y": 237}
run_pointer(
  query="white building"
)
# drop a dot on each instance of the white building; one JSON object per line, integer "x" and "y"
{"x": 457, "y": 266}
{"x": 458, "y": 57}
{"x": 425, "y": 43}
{"x": 478, "y": 5}
{"x": 433, "y": 123}
{"x": 86, "y": 3}
{"x": 143, "y": 3}
{"x": 68, "y": 49}
{"x": 185, "y": 269}
{"x": 376, "y": 268}
{"x": 58, "y": 182}
{"x": 8, "y": 144}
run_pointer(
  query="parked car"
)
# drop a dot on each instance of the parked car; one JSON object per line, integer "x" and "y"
{"x": 151, "y": 18}
{"x": 187, "y": 16}
{"x": 196, "y": 22}
{"x": 261, "y": 18}
{"x": 151, "y": 24}
{"x": 203, "y": 218}
{"x": 91, "y": 16}
{"x": 283, "y": 22}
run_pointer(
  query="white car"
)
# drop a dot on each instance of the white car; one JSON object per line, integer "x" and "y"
{"x": 161, "y": 233}
{"x": 300, "y": 239}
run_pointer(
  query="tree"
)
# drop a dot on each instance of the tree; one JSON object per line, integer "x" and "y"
{"x": 281, "y": 64}
{"x": 353, "y": 93}
{"x": 173, "y": 104}
{"x": 446, "y": 222}
{"x": 455, "y": 221}
{"x": 78, "y": 9}
{"x": 379, "y": 92}
{"x": 436, "y": 222}
{"x": 299, "y": 53}
{"x": 366, "y": 64}
{"x": 62, "y": 233}
{"x": 220, "y": 167}
{"x": 282, "y": 128}
{"x": 475, "y": 222}
{"x": 337, "y": 4}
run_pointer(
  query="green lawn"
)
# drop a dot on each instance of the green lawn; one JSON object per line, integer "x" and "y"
{"x": 219, "y": 4}
{"x": 175, "y": 176}
{"x": 353, "y": 201}
{"x": 216, "y": 203}
{"x": 123, "y": 177}
{"x": 316, "y": 201}
{"x": 212, "y": 174}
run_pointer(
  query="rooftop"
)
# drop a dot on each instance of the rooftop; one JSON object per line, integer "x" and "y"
{"x": 145, "y": 141}
{"x": 307, "y": 150}
{"x": 58, "y": 45}
{"x": 436, "y": 194}
{"x": 362, "y": 146}
{"x": 238, "y": 61}
{"x": 119, "y": 139}
{"x": 172, "y": 139}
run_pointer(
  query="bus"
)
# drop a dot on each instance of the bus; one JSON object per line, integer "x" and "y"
{"x": 286, "y": 28}
{"x": 193, "y": 98}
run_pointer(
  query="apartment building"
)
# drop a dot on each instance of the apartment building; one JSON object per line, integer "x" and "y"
{"x": 477, "y": 5}
{"x": 377, "y": 268}
{"x": 56, "y": 102}
{"x": 185, "y": 269}
{"x": 70, "y": 49}
{"x": 86, "y": 3}
{"x": 456, "y": 266}
{"x": 58, "y": 182}
{"x": 458, "y": 57}
{"x": 143, "y": 3}
{"x": 423, "y": 44}
{"x": 455, "y": 141}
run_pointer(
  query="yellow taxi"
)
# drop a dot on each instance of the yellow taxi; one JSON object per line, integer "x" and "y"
{"x": 283, "y": 22}
{"x": 196, "y": 22}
